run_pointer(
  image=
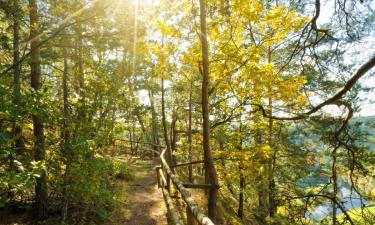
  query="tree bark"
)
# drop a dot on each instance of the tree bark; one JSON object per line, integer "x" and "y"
{"x": 190, "y": 131}
{"x": 41, "y": 191}
{"x": 17, "y": 129}
{"x": 209, "y": 163}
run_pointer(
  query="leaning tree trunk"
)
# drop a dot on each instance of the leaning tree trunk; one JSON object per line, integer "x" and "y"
{"x": 208, "y": 160}
{"x": 41, "y": 191}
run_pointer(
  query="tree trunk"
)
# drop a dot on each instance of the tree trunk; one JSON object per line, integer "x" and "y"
{"x": 66, "y": 137}
{"x": 81, "y": 75}
{"x": 241, "y": 197}
{"x": 272, "y": 160}
{"x": 174, "y": 134}
{"x": 165, "y": 129}
{"x": 190, "y": 131}
{"x": 209, "y": 163}
{"x": 334, "y": 184}
{"x": 81, "y": 81}
{"x": 41, "y": 191}
{"x": 242, "y": 178}
{"x": 262, "y": 191}
{"x": 154, "y": 123}
{"x": 17, "y": 129}
{"x": 131, "y": 142}
{"x": 140, "y": 121}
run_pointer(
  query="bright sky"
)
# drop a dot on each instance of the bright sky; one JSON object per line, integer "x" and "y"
{"x": 360, "y": 52}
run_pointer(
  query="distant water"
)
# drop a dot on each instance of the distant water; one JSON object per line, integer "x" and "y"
{"x": 350, "y": 200}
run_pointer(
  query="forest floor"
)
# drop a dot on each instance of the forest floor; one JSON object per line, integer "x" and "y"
{"x": 141, "y": 201}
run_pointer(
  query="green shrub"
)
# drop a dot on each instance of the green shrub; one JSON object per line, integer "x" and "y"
{"x": 122, "y": 172}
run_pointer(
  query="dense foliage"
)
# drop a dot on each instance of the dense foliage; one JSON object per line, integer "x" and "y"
{"x": 85, "y": 81}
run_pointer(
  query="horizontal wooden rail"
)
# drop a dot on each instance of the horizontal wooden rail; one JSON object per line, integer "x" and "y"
{"x": 173, "y": 213}
{"x": 187, "y": 164}
{"x": 193, "y": 206}
{"x": 140, "y": 142}
{"x": 201, "y": 186}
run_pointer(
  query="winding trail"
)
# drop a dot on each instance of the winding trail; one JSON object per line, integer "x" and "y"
{"x": 141, "y": 201}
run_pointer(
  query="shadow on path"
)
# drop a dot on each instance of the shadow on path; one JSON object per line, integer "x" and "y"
{"x": 141, "y": 201}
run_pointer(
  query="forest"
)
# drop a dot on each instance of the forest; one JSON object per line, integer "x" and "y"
{"x": 156, "y": 112}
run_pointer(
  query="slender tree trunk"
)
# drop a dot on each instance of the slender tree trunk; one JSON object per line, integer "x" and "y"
{"x": 272, "y": 160}
{"x": 131, "y": 142}
{"x": 165, "y": 129}
{"x": 174, "y": 134}
{"x": 81, "y": 117}
{"x": 209, "y": 163}
{"x": 271, "y": 179}
{"x": 66, "y": 136}
{"x": 81, "y": 75}
{"x": 134, "y": 145}
{"x": 262, "y": 191}
{"x": 41, "y": 191}
{"x": 190, "y": 131}
{"x": 140, "y": 120}
{"x": 334, "y": 184}
{"x": 17, "y": 129}
{"x": 242, "y": 178}
{"x": 155, "y": 135}
{"x": 241, "y": 197}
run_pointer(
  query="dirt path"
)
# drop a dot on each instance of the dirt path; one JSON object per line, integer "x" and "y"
{"x": 141, "y": 201}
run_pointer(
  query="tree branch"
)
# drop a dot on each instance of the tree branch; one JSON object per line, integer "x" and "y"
{"x": 362, "y": 70}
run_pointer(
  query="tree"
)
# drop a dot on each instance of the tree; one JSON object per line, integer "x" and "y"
{"x": 208, "y": 159}
{"x": 17, "y": 129}
{"x": 41, "y": 191}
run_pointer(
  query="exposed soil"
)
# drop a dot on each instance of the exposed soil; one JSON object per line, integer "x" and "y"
{"x": 141, "y": 201}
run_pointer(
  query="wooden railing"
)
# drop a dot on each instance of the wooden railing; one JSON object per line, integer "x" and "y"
{"x": 194, "y": 212}
{"x": 166, "y": 178}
